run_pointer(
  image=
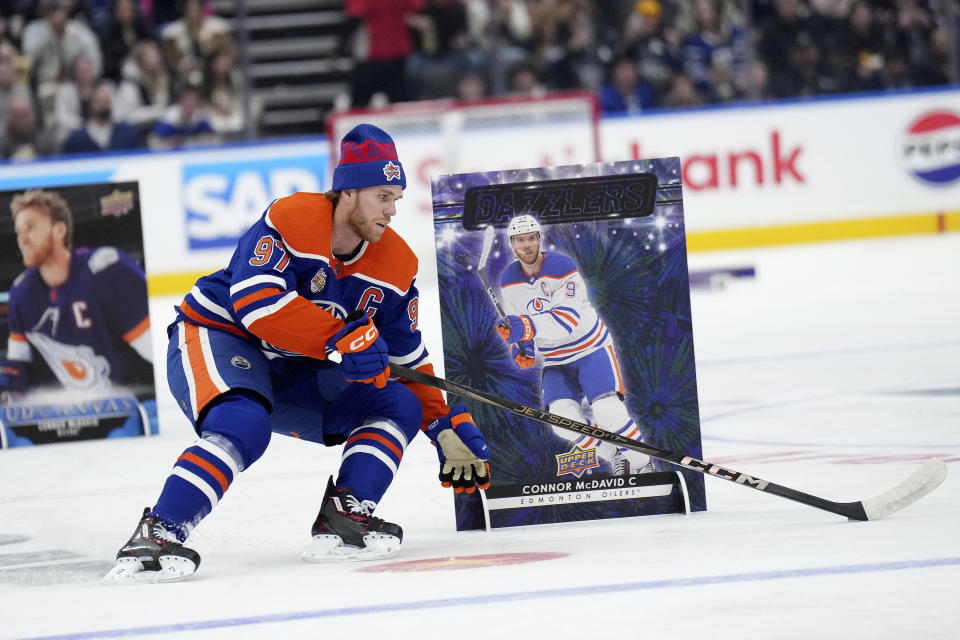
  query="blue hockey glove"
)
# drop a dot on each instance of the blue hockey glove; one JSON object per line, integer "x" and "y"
{"x": 516, "y": 329}
{"x": 364, "y": 352}
{"x": 524, "y": 353}
{"x": 462, "y": 450}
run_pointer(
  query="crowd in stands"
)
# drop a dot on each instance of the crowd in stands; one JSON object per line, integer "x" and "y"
{"x": 93, "y": 75}
{"x": 639, "y": 55}
{"x": 87, "y": 75}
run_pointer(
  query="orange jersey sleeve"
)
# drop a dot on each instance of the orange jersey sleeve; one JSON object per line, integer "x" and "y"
{"x": 430, "y": 398}
{"x": 297, "y": 325}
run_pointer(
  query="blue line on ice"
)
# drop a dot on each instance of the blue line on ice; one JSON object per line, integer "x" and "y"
{"x": 473, "y": 600}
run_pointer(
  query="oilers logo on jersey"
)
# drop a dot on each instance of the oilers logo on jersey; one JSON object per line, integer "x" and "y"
{"x": 75, "y": 366}
{"x": 538, "y": 305}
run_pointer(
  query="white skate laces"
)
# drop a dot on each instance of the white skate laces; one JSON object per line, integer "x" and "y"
{"x": 364, "y": 508}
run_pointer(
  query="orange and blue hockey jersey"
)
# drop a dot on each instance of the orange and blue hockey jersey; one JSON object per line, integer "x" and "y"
{"x": 286, "y": 292}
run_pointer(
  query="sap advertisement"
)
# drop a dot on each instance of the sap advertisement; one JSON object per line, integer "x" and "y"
{"x": 222, "y": 198}
{"x": 195, "y": 204}
{"x": 743, "y": 168}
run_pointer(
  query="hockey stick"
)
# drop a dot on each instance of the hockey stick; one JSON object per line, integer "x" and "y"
{"x": 924, "y": 480}
{"x": 488, "y": 235}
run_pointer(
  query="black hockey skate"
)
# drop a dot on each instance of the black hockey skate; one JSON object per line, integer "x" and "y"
{"x": 153, "y": 554}
{"x": 344, "y": 530}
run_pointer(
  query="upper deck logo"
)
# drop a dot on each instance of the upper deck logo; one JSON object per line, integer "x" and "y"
{"x": 117, "y": 203}
{"x": 577, "y": 461}
{"x": 930, "y": 148}
{"x": 391, "y": 170}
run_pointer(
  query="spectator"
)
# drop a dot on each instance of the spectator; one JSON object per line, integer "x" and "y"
{"x": 713, "y": 45}
{"x": 53, "y": 43}
{"x": 809, "y": 72}
{"x": 72, "y": 102}
{"x": 189, "y": 41}
{"x": 124, "y": 29}
{"x": 500, "y": 22}
{"x": 502, "y": 31}
{"x": 11, "y": 85}
{"x": 158, "y": 14}
{"x": 446, "y": 49}
{"x": 23, "y": 139}
{"x": 759, "y": 86}
{"x": 524, "y": 81}
{"x": 778, "y": 33}
{"x": 224, "y": 92}
{"x": 572, "y": 60}
{"x": 827, "y": 23}
{"x": 95, "y": 13}
{"x": 185, "y": 124}
{"x": 862, "y": 53}
{"x": 936, "y": 70}
{"x": 100, "y": 132}
{"x": 144, "y": 92}
{"x": 653, "y": 45}
{"x": 381, "y": 58}
{"x": 472, "y": 87}
{"x": 626, "y": 91}
{"x": 449, "y": 18}
{"x": 683, "y": 93}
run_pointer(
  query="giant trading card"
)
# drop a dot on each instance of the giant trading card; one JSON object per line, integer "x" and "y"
{"x": 589, "y": 262}
{"x": 76, "y": 359}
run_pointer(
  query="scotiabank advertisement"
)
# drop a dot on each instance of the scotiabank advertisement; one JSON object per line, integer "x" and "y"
{"x": 743, "y": 168}
{"x": 800, "y": 162}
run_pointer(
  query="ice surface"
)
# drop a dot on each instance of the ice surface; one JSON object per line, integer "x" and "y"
{"x": 835, "y": 371}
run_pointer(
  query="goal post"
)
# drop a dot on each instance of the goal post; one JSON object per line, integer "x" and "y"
{"x": 446, "y": 136}
{"x": 443, "y": 137}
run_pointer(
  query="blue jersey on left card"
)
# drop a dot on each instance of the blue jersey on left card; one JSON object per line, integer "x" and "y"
{"x": 90, "y": 332}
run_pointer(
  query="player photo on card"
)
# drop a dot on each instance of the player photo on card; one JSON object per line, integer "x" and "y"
{"x": 566, "y": 289}
{"x": 76, "y": 362}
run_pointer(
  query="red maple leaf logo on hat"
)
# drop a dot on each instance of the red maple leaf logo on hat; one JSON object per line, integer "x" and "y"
{"x": 391, "y": 170}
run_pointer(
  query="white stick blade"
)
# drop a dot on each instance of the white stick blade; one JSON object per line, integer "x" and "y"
{"x": 924, "y": 480}
{"x": 488, "y": 235}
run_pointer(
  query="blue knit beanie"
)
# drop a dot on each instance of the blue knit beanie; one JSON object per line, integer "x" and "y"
{"x": 368, "y": 158}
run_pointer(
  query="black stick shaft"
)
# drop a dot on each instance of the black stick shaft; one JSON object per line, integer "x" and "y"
{"x": 482, "y": 272}
{"x": 852, "y": 510}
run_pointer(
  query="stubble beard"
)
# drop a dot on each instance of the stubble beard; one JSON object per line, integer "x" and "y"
{"x": 365, "y": 229}
{"x": 37, "y": 254}
{"x": 535, "y": 256}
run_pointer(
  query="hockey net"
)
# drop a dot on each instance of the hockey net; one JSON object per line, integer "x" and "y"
{"x": 447, "y": 137}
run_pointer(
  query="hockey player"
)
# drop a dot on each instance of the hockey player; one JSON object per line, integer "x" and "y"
{"x": 83, "y": 311}
{"x": 248, "y": 355}
{"x": 549, "y": 312}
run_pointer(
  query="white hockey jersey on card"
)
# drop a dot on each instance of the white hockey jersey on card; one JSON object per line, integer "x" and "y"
{"x": 567, "y": 326}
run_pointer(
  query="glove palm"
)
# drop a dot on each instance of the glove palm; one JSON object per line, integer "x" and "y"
{"x": 462, "y": 451}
